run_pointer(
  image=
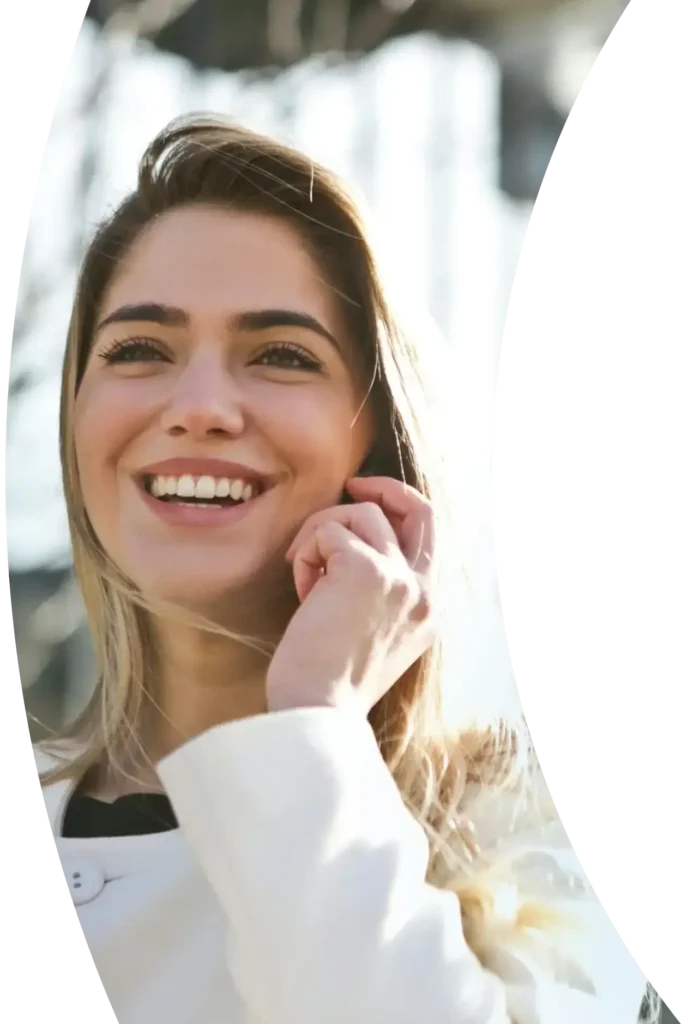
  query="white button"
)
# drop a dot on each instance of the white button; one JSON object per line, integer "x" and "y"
{"x": 85, "y": 879}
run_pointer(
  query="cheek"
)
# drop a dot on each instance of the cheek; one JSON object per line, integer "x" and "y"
{"x": 106, "y": 421}
{"x": 319, "y": 436}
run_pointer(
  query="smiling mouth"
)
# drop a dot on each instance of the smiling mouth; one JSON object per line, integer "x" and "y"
{"x": 202, "y": 491}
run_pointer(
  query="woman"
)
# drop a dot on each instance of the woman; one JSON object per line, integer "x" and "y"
{"x": 261, "y": 815}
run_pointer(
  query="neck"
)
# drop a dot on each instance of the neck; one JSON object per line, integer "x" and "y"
{"x": 202, "y": 679}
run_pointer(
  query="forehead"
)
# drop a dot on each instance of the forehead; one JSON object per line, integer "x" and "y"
{"x": 208, "y": 260}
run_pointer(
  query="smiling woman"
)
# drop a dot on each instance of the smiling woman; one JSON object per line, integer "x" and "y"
{"x": 261, "y": 814}
{"x": 217, "y": 338}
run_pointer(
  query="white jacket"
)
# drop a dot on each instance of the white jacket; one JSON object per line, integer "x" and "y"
{"x": 294, "y": 893}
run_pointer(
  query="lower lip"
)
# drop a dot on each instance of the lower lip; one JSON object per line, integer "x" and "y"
{"x": 205, "y": 516}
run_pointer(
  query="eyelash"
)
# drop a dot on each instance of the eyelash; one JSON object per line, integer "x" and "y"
{"x": 131, "y": 350}
{"x": 295, "y": 352}
{"x": 134, "y": 350}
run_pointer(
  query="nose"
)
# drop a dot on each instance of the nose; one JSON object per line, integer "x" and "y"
{"x": 206, "y": 403}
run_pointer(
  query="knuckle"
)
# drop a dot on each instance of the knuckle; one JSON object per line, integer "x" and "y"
{"x": 370, "y": 512}
{"x": 327, "y": 530}
{"x": 423, "y": 610}
{"x": 371, "y": 508}
{"x": 403, "y": 589}
{"x": 413, "y": 597}
{"x": 371, "y": 569}
{"x": 317, "y": 522}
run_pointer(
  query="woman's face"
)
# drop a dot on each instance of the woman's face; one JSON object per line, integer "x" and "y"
{"x": 220, "y": 406}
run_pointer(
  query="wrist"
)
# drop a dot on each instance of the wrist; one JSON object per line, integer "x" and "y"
{"x": 294, "y": 697}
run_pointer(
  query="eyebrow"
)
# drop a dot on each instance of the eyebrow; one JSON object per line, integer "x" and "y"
{"x": 254, "y": 320}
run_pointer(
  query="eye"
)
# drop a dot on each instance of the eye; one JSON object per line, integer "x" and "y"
{"x": 286, "y": 356}
{"x": 133, "y": 350}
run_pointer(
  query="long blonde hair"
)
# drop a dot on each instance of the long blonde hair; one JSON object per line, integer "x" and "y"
{"x": 441, "y": 773}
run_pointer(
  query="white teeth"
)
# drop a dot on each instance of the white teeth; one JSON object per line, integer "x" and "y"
{"x": 205, "y": 487}
{"x": 185, "y": 487}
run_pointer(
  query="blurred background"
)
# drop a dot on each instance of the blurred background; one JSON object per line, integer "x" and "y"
{"x": 446, "y": 115}
{"x": 443, "y": 113}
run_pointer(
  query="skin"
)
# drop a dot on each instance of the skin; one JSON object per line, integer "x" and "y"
{"x": 210, "y": 386}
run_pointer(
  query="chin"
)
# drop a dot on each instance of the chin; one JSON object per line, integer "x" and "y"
{"x": 246, "y": 595}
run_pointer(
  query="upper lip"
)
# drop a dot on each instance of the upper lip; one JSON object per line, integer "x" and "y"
{"x": 217, "y": 468}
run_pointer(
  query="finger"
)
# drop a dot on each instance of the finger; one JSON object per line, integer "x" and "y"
{"x": 367, "y": 521}
{"x": 312, "y": 558}
{"x": 410, "y": 511}
{"x": 308, "y": 570}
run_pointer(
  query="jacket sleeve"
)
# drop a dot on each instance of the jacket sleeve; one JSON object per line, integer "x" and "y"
{"x": 320, "y": 871}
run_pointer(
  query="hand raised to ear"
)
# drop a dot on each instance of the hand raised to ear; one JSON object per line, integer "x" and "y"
{"x": 362, "y": 573}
